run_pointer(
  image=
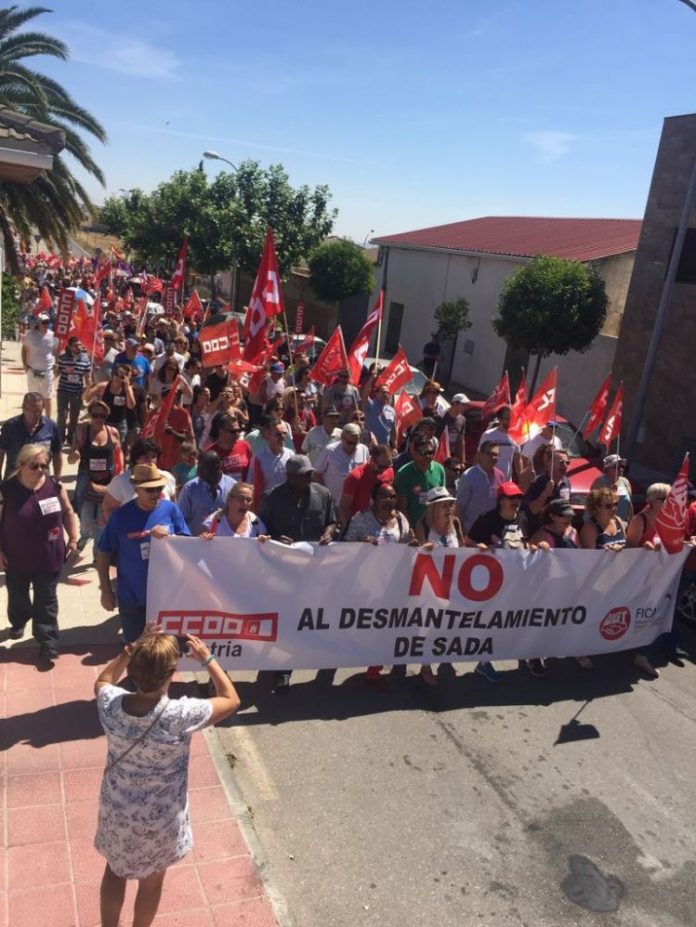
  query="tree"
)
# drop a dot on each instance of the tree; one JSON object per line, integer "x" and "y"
{"x": 339, "y": 268}
{"x": 551, "y": 306}
{"x": 452, "y": 317}
{"x": 225, "y": 219}
{"x": 10, "y": 303}
{"x": 55, "y": 202}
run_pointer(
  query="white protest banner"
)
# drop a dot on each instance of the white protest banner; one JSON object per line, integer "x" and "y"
{"x": 268, "y": 606}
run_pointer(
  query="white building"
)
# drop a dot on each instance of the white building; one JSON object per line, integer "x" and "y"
{"x": 472, "y": 259}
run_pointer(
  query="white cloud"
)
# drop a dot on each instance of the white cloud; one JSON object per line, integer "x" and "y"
{"x": 550, "y": 144}
{"x": 125, "y": 53}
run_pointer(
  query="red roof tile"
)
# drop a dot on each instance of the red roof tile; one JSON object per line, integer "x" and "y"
{"x": 525, "y": 236}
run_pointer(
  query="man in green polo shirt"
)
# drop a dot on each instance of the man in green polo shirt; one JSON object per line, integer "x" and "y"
{"x": 415, "y": 479}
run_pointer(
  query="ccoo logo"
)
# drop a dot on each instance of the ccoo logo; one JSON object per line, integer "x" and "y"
{"x": 615, "y": 623}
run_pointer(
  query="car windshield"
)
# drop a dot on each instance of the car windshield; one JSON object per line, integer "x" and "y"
{"x": 572, "y": 443}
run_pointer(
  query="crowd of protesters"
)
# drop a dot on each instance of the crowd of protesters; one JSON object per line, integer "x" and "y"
{"x": 283, "y": 459}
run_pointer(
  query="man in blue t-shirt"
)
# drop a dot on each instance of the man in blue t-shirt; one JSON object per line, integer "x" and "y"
{"x": 127, "y": 537}
{"x": 132, "y": 358}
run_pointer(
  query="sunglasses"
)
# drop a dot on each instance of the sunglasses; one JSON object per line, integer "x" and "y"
{"x": 151, "y": 490}
{"x": 386, "y": 496}
{"x": 609, "y": 505}
{"x": 425, "y": 452}
{"x": 37, "y": 466}
{"x": 97, "y": 414}
{"x": 350, "y": 443}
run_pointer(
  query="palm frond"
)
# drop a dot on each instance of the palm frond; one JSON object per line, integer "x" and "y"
{"x": 12, "y": 18}
{"x": 32, "y": 43}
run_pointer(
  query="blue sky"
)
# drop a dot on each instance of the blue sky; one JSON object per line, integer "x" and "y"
{"x": 414, "y": 114}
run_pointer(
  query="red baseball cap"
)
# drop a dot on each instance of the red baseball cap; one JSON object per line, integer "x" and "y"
{"x": 509, "y": 489}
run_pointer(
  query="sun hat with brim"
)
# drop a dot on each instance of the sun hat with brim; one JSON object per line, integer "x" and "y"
{"x": 438, "y": 494}
{"x": 147, "y": 476}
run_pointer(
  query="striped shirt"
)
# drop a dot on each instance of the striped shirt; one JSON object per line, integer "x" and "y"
{"x": 73, "y": 371}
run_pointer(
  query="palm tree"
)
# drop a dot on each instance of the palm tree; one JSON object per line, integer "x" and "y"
{"x": 54, "y": 203}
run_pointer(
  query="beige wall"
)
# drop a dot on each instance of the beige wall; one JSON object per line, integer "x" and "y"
{"x": 421, "y": 280}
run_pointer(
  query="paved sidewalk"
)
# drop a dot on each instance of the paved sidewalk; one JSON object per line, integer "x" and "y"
{"x": 52, "y": 754}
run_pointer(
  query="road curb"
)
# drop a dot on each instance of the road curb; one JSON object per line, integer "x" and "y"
{"x": 246, "y": 825}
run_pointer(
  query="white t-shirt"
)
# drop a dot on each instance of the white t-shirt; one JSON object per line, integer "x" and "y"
{"x": 529, "y": 448}
{"x": 507, "y": 446}
{"x": 334, "y": 464}
{"x": 317, "y": 439}
{"x": 40, "y": 349}
{"x": 123, "y": 490}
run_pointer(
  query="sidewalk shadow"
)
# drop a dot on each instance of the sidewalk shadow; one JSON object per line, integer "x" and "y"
{"x": 68, "y": 721}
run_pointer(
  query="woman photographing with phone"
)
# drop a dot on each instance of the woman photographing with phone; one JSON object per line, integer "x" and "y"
{"x": 144, "y": 825}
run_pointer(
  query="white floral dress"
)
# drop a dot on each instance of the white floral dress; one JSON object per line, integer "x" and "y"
{"x": 144, "y": 824}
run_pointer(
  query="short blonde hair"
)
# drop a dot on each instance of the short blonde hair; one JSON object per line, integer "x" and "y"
{"x": 27, "y": 453}
{"x": 657, "y": 489}
{"x": 153, "y": 660}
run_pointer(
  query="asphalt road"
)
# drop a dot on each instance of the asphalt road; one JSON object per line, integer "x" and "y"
{"x": 476, "y": 804}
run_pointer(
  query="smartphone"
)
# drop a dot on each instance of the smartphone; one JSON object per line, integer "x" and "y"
{"x": 182, "y": 641}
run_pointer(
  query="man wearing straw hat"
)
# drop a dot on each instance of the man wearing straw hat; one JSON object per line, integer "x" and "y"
{"x": 127, "y": 538}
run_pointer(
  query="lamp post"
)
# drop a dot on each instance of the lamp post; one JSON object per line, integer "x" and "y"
{"x": 214, "y": 156}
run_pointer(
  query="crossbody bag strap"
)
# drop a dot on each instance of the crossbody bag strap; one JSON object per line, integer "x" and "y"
{"x": 138, "y": 740}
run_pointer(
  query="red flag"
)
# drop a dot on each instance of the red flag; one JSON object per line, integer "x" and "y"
{"x": 63, "y": 324}
{"x": 193, "y": 309}
{"x": 408, "y": 412}
{"x": 154, "y": 285}
{"x": 179, "y": 274}
{"x": 612, "y": 427}
{"x": 331, "y": 360}
{"x": 240, "y": 368}
{"x": 305, "y": 346}
{"x": 103, "y": 270}
{"x": 92, "y": 333}
{"x": 671, "y": 521}
{"x": 54, "y": 261}
{"x": 540, "y": 410}
{"x": 499, "y": 397}
{"x": 78, "y": 320}
{"x": 45, "y": 301}
{"x": 361, "y": 342}
{"x": 157, "y": 420}
{"x": 140, "y": 315}
{"x": 219, "y": 343}
{"x": 397, "y": 374}
{"x": 266, "y": 300}
{"x": 442, "y": 452}
{"x": 595, "y": 414}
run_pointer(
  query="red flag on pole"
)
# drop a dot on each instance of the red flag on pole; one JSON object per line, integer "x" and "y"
{"x": 219, "y": 343}
{"x": 266, "y": 300}
{"x": 45, "y": 301}
{"x": 499, "y": 397}
{"x": 442, "y": 452}
{"x": 157, "y": 420}
{"x": 671, "y": 521}
{"x": 331, "y": 360}
{"x": 193, "y": 309}
{"x": 140, "y": 315}
{"x": 397, "y": 374}
{"x": 540, "y": 410}
{"x": 92, "y": 333}
{"x": 361, "y": 342}
{"x": 408, "y": 412}
{"x": 595, "y": 414}
{"x": 612, "y": 427}
{"x": 179, "y": 274}
{"x": 520, "y": 402}
{"x": 103, "y": 270}
{"x": 154, "y": 285}
{"x": 64, "y": 315}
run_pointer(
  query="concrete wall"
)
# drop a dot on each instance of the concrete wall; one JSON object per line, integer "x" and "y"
{"x": 668, "y": 421}
{"x": 421, "y": 280}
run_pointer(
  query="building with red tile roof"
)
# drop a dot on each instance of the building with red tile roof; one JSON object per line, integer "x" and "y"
{"x": 472, "y": 260}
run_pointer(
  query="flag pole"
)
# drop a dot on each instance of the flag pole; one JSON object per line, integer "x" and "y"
{"x": 579, "y": 428}
{"x": 287, "y": 335}
{"x": 379, "y": 327}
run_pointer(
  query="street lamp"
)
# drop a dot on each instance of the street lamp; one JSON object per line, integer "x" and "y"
{"x": 214, "y": 156}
